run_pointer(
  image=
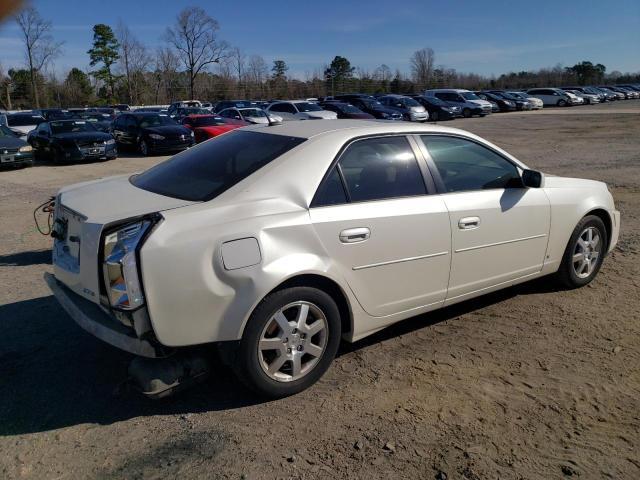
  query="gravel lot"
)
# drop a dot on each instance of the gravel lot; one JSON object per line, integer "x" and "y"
{"x": 527, "y": 383}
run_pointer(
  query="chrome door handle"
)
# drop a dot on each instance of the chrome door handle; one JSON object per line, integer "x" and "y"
{"x": 469, "y": 223}
{"x": 354, "y": 235}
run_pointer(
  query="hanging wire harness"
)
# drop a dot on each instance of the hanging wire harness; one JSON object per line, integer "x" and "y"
{"x": 47, "y": 208}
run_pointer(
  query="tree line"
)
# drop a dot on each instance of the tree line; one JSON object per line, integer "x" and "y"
{"x": 196, "y": 63}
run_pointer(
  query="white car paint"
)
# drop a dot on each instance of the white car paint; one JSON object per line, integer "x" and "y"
{"x": 551, "y": 96}
{"x": 293, "y": 110}
{"x": 202, "y": 279}
{"x": 536, "y": 103}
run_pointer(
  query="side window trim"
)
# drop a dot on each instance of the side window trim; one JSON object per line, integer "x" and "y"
{"x": 416, "y": 147}
{"x": 433, "y": 169}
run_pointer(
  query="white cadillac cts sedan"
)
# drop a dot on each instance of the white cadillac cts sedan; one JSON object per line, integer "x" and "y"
{"x": 274, "y": 242}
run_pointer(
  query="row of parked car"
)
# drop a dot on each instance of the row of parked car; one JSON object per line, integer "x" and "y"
{"x": 75, "y": 134}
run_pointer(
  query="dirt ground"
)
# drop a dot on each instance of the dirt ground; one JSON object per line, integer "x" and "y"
{"x": 528, "y": 383}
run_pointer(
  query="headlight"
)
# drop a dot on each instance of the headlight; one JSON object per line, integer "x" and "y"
{"x": 120, "y": 266}
{"x": 155, "y": 136}
{"x": 26, "y": 148}
{"x": 110, "y": 142}
{"x": 191, "y": 132}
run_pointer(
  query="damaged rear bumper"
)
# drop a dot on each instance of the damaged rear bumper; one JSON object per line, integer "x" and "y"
{"x": 100, "y": 324}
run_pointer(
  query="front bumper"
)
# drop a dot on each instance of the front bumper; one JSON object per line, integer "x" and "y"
{"x": 419, "y": 116}
{"x": 159, "y": 146}
{"x": 16, "y": 159}
{"x": 100, "y": 324}
{"x": 86, "y": 153}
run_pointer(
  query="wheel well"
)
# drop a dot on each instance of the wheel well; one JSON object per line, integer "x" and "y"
{"x": 606, "y": 219}
{"x": 328, "y": 286}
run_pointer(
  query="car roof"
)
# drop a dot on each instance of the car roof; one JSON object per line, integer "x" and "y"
{"x": 354, "y": 128}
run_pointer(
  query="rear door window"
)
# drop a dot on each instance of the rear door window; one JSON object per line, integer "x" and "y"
{"x": 381, "y": 168}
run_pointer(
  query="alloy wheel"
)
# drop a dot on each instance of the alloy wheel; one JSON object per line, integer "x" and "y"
{"x": 293, "y": 341}
{"x": 586, "y": 252}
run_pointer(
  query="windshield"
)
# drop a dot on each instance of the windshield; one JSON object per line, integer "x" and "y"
{"x": 349, "y": 109}
{"x": 204, "y": 172}
{"x": 469, "y": 96}
{"x": 24, "y": 120}
{"x": 435, "y": 101}
{"x": 252, "y": 112}
{"x": 208, "y": 121}
{"x": 95, "y": 117}
{"x": 6, "y": 132}
{"x": 155, "y": 121}
{"x": 71, "y": 127}
{"x": 372, "y": 103}
{"x": 308, "y": 107}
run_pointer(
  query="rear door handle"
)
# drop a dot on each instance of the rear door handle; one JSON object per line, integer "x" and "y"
{"x": 469, "y": 223}
{"x": 354, "y": 235}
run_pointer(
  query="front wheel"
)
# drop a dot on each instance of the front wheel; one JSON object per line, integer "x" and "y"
{"x": 466, "y": 113}
{"x": 584, "y": 253}
{"x": 434, "y": 116}
{"x": 144, "y": 148}
{"x": 562, "y": 103}
{"x": 289, "y": 342}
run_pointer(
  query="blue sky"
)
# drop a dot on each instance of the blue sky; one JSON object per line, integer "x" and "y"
{"x": 487, "y": 37}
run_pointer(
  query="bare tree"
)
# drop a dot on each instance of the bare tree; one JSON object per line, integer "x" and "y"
{"x": 194, "y": 36}
{"x": 39, "y": 44}
{"x": 166, "y": 70}
{"x": 422, "y": 62}
{"x": 134, "y": 59}
{"x": 5, "y": 85}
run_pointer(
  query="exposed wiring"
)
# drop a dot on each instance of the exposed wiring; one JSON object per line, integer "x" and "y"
{"x": 47, "y": 207}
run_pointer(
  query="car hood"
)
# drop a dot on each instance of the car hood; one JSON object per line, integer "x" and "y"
{"x": 386, "y": 110}
{"x": 324, "y": 114}
{"x": 167, "y": 130}
{"x": 113, "y": 199}
{"x": 11, "y": 142}
{"x": 551, "y": 181}
{"x": 82, "y": 136}
{"x": 479, "y": 102}
{"x": 219, "y": 128}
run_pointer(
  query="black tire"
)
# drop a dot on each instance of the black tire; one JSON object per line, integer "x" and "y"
{"x": 57, "y": 156}
{"x": 247, "y": 365}
{"x": 567, "y": 275}
{"x": 434, "y": 116}
{"x": 143, "y": 147}
{"x": 466, "y": 113}
{"x": 562, "y": 103}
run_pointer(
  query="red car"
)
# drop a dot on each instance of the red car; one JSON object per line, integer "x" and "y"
{"x": 208, "y": 126}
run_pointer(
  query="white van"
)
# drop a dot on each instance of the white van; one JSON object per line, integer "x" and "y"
{"x": 459, "y": 95}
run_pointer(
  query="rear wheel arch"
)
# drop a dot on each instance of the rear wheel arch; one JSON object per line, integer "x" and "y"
{"x": 328, "y": 286}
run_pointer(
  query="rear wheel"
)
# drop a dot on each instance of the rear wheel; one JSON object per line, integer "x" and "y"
{"x": 584, "y": 253}
{"x": 289, "y": 342}
{"x": 434, "y": 116}
{"x": 466, "y": 113}
{"x": 562, "y": 103}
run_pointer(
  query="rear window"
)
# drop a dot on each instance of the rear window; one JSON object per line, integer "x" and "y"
{"x": 204, "y": 172}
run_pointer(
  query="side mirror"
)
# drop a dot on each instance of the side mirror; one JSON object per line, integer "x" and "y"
{"x": 532, "y": 178}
